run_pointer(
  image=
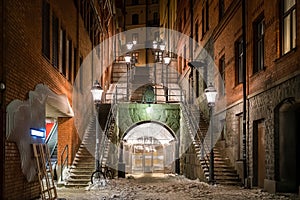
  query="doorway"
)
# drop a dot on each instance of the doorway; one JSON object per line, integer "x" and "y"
{"x": 259, "y": 169}
{"x": 147, "y": 158}
{"x": 149, "y": 148}
{"x": 287, "y": 146}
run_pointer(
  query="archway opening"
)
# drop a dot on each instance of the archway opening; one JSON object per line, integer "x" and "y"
{"x": 149, "y": 147}
{"x": 288, "y": 146}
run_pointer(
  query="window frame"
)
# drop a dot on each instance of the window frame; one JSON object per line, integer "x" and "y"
{"x": 258, "y": 45}
{"x": 46, "y": 18}
{"x": 135, "y": 37}
{"x": 284, "y": 15}
{"x": 239, "y": 61}
{"x": 221, "y": 9}
{"x": 222, "y": 71}
{"x": 55, "y": 41}
{"x": 135, "y": 19}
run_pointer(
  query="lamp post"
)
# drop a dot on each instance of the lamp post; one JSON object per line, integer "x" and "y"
{"x": 159, "y": 48}
{"x": 97, "y": 96}
{"x": 127, "y": 60}
{"x": 167, "y": 61}
{"x": 211, "y": 94}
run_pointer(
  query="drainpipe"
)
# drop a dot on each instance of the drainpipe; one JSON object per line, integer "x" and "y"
{"x": 244, "y": 94}
{"x": 2, "y": 101}
{"x": 191, "y": 48}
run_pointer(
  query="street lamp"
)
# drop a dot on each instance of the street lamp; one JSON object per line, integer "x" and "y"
{"x": 127, "y": 60}
{"x": 167, "y": 61}
{"x": 97, "y": 96}
{"x": 211, "y": 94}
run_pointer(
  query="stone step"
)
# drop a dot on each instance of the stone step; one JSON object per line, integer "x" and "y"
{"x": 75, "y": 172}
{"x": 82, "y": 169}
{"x": 80, "y": 176}
{"x": 78, "y": 182}
{"x": 84, "y": 162}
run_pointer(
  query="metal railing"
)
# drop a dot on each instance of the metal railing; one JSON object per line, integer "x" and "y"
{"x": 64, "y": 161}
{"x": 174, "y": 95}
{"x": 194, "y": 130}
{"x": 105, "y": 134}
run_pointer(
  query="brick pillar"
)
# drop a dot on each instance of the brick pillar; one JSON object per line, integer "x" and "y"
{"x": 67, "y": 135}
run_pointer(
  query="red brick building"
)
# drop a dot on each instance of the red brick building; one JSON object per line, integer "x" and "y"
{"x": 272, "y": 81}
{"x": 43, "y": 46}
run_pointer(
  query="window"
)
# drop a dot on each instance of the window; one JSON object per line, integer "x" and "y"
{"x": 81, "y": 73}
{"x": 184, "y": 56}
{"x": 184, "y": 17}
{"x": 239, "y": 61}
{"x": 46, "y": 29}
{"x": 258, "y": 45}
{"x": 64, "y": 52}
{"x": 240, "y": 131}
{"x": 135, "y": 2}
{"x": 197, "y": 83}
{"x": 156, "y": 36}
{"x": 135, "y": 19}
{"x": 70, "y": 59}
{"x": 75, "y": 64}
{"x": 197, "y": 32}
{"x": 288, "y": 25}
{"x": 55, "y": 42}
{"x": 135, "y": 37}
{"x": 207, "y": 15}
{"x": 205, "y": 18}
{"x": 155, "y": 18}
{"x": 135, "y": 56}
{"x": 221, "y": 9}
{"x": 222, "y": 74}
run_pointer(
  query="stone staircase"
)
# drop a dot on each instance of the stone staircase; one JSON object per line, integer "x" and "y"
{"x": 139, "y": 83}
{"x": 84, "y": 162}
{"x": 119, "y": 72}
{"x": 224, "y": 173}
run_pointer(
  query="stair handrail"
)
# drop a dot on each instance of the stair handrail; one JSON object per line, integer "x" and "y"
{"x": 194, "y": 130}
{"x": 63, "y": 162}
{"x": 53, "y": 149}
{"x": 104, "y": 138}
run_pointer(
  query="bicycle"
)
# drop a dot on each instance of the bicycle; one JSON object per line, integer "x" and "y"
{"x": 103, "y": 177}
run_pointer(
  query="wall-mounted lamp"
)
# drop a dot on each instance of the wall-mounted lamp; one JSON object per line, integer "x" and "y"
{"x": 2, "y": 86}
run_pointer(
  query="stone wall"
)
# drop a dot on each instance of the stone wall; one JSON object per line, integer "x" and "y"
{"x": 260, "y": 106}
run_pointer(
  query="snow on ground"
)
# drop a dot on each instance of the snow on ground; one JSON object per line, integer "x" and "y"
{"x": 164, "y": 187}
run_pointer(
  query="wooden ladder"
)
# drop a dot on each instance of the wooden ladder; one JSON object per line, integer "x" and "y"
{"x": 45, "y": 175}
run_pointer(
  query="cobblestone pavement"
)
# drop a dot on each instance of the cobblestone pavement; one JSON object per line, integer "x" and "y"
{"x": 165, "y": 187}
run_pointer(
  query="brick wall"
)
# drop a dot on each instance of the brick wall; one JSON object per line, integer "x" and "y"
{"x": 16, "y": 185}
{"x": 67, "y": 135}
{"x": 25, "y": 67}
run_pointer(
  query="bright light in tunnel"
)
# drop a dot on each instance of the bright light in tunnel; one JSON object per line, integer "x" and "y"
{"x": 149, "y": 109}
{"x": 150, "y": 133}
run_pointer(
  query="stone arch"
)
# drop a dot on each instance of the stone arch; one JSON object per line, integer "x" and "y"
{"x": 150, "y": 121}
{"x": 149, "y": 146}
{"x": 287, "y": 145}
{"x": 133, "y": 113}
